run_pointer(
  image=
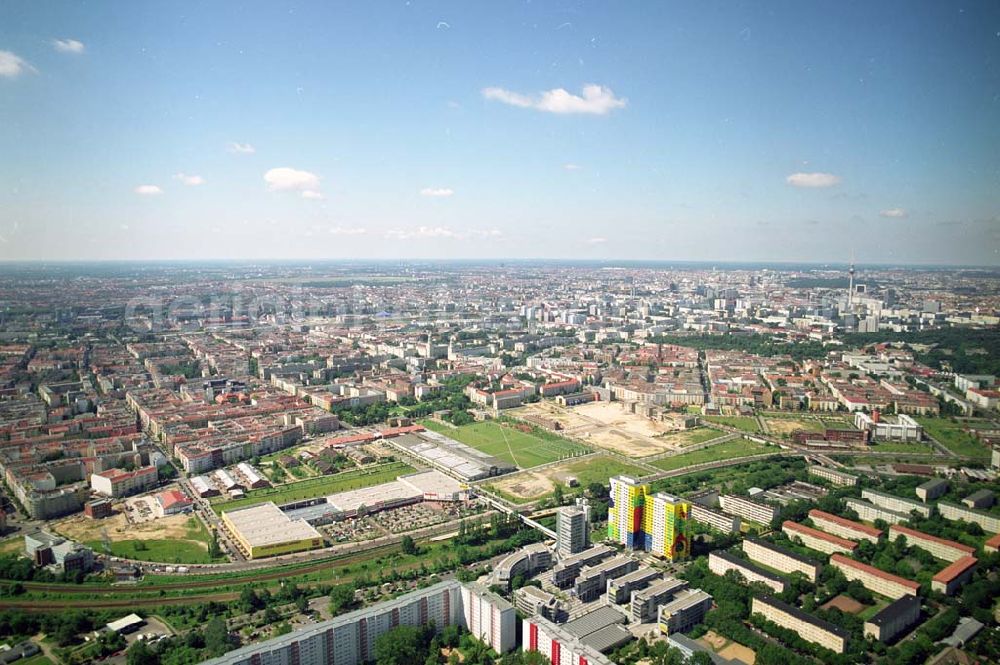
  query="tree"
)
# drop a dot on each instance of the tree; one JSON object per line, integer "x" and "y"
{"x": 217, "y": 639}
{"x": 403, "y": 645}
{"x": 140, "y": 654}
{"x": 557, "y": 494}
{"x": 341, "y": 598}
{"x": 409, "y": 546}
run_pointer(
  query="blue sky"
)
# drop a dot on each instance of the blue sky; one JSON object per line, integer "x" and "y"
{"x": 785, "y": 131}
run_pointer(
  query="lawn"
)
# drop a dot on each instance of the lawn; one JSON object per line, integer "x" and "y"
{"x": 742, "y": 423}
{"x": 314, "y": 487}
{"x": 691, "y": 437}
{"x": 902, "y": 447}
{"x": 193, "y": 548}
{"x": 722, "y": 451}
{"x": 951, "y": 436}
{"x": 523, "y": 449}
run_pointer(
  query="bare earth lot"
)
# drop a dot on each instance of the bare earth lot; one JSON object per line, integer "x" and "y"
{"x": 727, "y": 648}
{"x": 536, "y": 484}
{"x": 83, "y": 529}
{"x": 606, "y": 425}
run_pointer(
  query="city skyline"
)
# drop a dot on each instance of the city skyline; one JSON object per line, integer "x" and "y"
{"x": 785, "y": 134}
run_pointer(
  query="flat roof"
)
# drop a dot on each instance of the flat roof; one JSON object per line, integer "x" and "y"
{"x": 607, "y": 638}
{"x": 266, "y": 524}
{"x": 891, "y": 612}
{"x": 591, "y": 622}
{"x": 953, "y": 570}
{"x": 920, "y": 535}
{"x": 846, "y": 523}
{"x": 375, "y": 495}
{"x": 667, "y": 585}
{"x": 816, "y": 533}
{"x": 432, "y": 481}
{"x": 802, "y": 616}
{"x": 749, "y": 565}
{"x": 872, "y": 570}
{"x": 782, "y": 551}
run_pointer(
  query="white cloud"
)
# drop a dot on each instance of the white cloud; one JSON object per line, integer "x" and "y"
{"x": 421, "y": 232}
{"x": 313, "y": 195}
{"x": 240, "y": 148}
{"x": 13, "y": 65}
{"x": 813, "y": 180}
{"x": 437, "y": 192}
{"x": 596, "y": 100}
{"x": 284, "y": 179}
{"x": 348, "y": 231}
{"x": 68, "y": 45}
{"x": 148, "y": 190}
{"x": 894, "y": 213}
{"x": 192, "y": 180}
{"x": 572, "y": 167}
{"x": 596, "y": 241}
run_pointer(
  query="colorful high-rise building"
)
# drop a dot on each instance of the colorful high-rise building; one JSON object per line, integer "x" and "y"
{"x": 657, "y": 523}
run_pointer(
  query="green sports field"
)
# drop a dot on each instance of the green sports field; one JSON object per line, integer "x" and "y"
{"x": 523, "y": 449}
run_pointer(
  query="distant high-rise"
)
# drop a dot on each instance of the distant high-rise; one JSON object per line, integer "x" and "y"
{"x": 573, "y": 528}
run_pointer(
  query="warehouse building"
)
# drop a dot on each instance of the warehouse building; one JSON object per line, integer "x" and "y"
{"x": 818, "y": 540}
{"x": 780, "y": 558}
{"x": 894, "y": 619}
{"x": 722, "y": 562}
{"x": 843, "y": 527}
{"x": 979, "y": 499}
{"x": 264, "y": 530}
{"x": 954, "y": 576}
{"x": 873, "y": 579}
{"x": 808, "y": 627}
{"x": 946, "y": 550}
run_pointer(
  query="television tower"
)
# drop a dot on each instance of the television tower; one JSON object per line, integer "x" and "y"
{"x": 850, "y": 286}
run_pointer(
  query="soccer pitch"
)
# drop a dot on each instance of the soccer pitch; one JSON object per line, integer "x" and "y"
{"x": 523, "y": 449}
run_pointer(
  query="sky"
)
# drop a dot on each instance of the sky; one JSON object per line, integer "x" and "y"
{"x": 721, "y": 131}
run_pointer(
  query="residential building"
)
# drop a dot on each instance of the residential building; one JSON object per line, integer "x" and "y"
{"x": 806, "y": 626}
{"x": 896, "y": 503}
{"x": 722, "y": 562}
{"x": 572, "y": 529}
{"x": 894, "y": 619}
{"x": 833, "y": 476}
{"x": 875, "y": 580}
{"x": 979, "y": 499}
{"x": 656, "y": 523}
{"x": 881, "y": 428}
{"x": 780, "y": 558}
{"x": 988, "y": 521}
{"x": 525, "y": 562}
{"x": 843, "y": 527}
{"x": 818, "y": 540}
{"x": 118, "y": 482}
{"x": 490, "y": 618}
{"x": 869, "y": 512}
{"x": 562, "y": 647}
{"x": 748, "y": 509}
{"x": 685, "y": 611}
{"x": 593, "y": 580}
{"x": 620, "y": 589}
{"x": 565, "y": 572}
{"x": 349, "y": 639}
{"x": 952, "y": 577}
{"x": 715, "y": 519}
{"x": 946, "y": 550}
{"x": 531, "y": 600}
{"x": 646, "y": 603}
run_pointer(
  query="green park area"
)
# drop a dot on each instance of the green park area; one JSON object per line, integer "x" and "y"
{"x": 511, "y": 444}
{"x": 718, "y": 452}
{"x": 742, "y": 423}
{"x": 191, "y": 547}
{"x": 952, "y": 436}
{"x": 314, "y": 487}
